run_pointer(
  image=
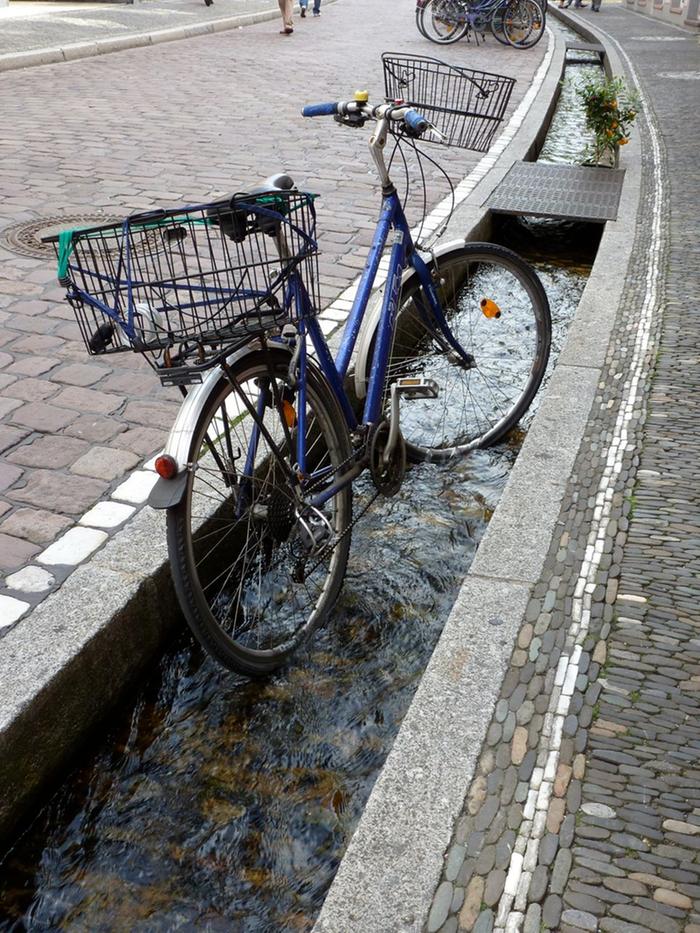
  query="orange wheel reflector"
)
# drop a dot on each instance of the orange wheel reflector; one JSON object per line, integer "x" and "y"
{"x": 490, "y": 308}
{"x": 166, "y": 466}
{"x": 290, "y": 416}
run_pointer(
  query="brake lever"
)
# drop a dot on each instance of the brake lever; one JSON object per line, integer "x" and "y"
{"x": 355, "y": 120}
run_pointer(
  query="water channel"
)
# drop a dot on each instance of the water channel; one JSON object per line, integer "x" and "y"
{"x": 219, "y": 804}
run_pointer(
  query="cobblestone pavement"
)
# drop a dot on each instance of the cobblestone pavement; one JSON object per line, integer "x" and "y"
{"x": 585, "y": 810}
{"x": 180, "y": 122}
{"x": 25, "y": 26}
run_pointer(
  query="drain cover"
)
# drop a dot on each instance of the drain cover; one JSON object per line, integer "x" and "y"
{"x": 571, "y": 192}
{"x": 25, "y": 238}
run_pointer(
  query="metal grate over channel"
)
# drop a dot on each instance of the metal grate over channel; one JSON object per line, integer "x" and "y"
{"x": 568, "y": 192}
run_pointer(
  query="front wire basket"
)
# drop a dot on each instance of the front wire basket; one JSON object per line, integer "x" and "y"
{"x": 184, "y": 287}
{"x": 465, "y": 106}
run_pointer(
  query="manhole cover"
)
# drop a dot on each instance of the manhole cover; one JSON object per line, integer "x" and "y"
{"x": 25, "y": 238}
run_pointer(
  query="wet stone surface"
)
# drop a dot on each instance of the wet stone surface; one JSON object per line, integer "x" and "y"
{"x": 609, "y": 780}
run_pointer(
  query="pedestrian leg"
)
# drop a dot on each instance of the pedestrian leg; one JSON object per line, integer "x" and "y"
{"x": 317, "y": 7}
{"x": 303, "y": 5}
{"x": 286, "y": 9}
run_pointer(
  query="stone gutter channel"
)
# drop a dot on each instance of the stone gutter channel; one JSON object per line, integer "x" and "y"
{"x": 79, "y": 651}
{"x": 407, "y": 850}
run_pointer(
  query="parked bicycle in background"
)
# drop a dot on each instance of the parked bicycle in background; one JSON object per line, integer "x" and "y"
{"x": 519, "y": 23}
{"x": 223, "y": 300}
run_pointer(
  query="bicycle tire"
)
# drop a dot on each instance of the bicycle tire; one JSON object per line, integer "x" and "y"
{"x": 478, "y": 406}
{"x": 497, "y": 23}
{"x": 497, "y": 26}
{"x": 441, "y": 21}
{"x": 419, "y": 21}
{"x": 252, "y": 604}
{"x": 523, "y": 23}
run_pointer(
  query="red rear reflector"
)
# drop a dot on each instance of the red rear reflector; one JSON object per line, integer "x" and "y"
{"x": 166, "y": 466}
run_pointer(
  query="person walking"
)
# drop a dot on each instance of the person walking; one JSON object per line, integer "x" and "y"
{"x": 286, "y": 9}
{"x": 304, "y": 4}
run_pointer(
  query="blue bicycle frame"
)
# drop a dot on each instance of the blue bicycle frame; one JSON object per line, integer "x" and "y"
{"x": 403, "y": 254}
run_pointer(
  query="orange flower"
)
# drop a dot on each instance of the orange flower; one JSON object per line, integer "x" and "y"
{"x": 623, "y": 142}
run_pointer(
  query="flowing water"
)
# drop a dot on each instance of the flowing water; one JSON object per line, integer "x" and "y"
{"x": 220, "y": 804}
{"x": 217, "y": 803}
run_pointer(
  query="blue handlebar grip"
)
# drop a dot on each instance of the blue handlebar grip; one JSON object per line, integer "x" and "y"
{"x": 319, "y": 110}
{"x": 416, "y": 121}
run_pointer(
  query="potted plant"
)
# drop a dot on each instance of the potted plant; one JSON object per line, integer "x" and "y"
{"x": 610, "y": 109}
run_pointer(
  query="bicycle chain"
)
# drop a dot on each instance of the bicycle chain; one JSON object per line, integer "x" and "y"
{"x": 347, "y": 531}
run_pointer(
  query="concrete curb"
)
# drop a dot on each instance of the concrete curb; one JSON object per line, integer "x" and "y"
{"x": 91, "y": 49}
{"x": 395, "y": 859}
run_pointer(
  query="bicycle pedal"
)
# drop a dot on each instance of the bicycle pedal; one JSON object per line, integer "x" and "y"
{"x": 417, "y": 388}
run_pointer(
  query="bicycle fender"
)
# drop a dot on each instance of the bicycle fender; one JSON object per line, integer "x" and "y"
{"x": 168, "y": 492}
{"x": 373, "y": 313}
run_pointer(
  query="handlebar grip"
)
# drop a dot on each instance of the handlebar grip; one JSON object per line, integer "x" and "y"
{"x": 416, "y": 121}
{"x": 319, "y": 110}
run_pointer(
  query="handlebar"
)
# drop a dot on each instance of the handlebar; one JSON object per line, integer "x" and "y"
{"x": 319, "y": 110}
{"x": 414, "y": 120}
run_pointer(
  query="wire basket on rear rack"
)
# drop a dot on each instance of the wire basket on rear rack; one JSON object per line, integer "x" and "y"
{"x": 184, "y": 287}
{"x": 465, "y": 106}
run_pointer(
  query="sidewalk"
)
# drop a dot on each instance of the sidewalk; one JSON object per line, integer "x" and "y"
{"x": 33, "y": 33}
{"x": 584, "y": 811}
{"x": 76, "y": 547}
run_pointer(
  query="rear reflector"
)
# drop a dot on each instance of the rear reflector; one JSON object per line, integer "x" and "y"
{"x": 166, "y": 466}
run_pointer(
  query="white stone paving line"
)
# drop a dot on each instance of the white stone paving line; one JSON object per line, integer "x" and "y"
{"x": 135, "y": 490}
{"x": 513, "y": 902}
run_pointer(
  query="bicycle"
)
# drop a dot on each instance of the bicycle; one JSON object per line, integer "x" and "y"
{"x": 518, "y": 23}
{"x": 222, "y": 300}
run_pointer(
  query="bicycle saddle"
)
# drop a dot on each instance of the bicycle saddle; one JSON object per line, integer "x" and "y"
{"x": 280, "y": 182}
{"x": 236, "y": 224}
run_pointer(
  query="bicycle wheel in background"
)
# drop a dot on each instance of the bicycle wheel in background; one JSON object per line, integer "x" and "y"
{"x": 255, "y": 569}
{"x": 523, "y": 23}
{"x": 444, "y": 21}
{"x": 497, "y": 309}
{"x": 497, "y": 25}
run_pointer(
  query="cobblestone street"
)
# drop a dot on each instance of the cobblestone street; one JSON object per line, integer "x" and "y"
{"x": 585, "y": 810}
{"x": 180, "y": 122}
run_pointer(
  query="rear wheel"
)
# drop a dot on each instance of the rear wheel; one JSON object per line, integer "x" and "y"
{"x": 496, "y": 309}
{"x": 255, "y": 567}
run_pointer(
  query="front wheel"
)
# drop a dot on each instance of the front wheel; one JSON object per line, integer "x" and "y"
{"x": 257, "y": 568}
{"x": 497, "y": 312}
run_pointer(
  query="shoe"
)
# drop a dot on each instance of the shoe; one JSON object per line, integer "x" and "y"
{"x": 317, "y": 12}
{"x": 303, "y": 12}
{"x": 287, "y": 31}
